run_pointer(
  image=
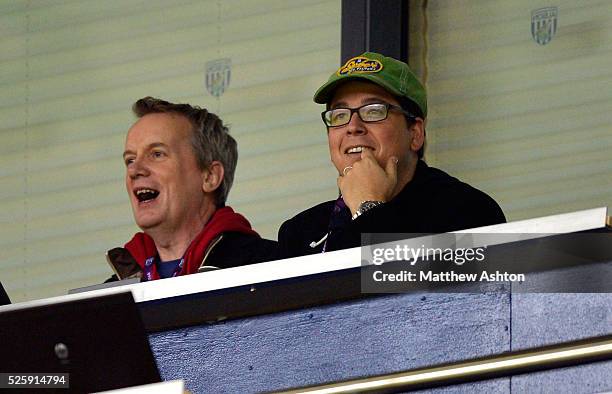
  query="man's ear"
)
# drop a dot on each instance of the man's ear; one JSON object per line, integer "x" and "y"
{"x": 418, "y": 134}
{"x": 212, "y": 177}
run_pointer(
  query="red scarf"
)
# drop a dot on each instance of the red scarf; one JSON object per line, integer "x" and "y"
{"x": 142, "y": 247}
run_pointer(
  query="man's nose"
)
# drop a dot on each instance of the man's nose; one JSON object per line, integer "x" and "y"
{"x": 137, "y": 169}
{"x": 355, "y": 126}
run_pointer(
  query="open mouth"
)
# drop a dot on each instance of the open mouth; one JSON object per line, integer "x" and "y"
{"x": 356, "y": 149}
{"x": 146, "y": 195}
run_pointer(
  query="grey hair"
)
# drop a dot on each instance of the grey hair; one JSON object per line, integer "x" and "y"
{"x": 210, "y": 138}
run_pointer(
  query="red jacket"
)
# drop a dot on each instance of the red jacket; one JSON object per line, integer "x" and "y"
{"x": 227, "y": 240}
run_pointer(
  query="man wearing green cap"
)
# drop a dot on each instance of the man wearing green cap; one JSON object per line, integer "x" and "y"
{"x": 375, "y": 112}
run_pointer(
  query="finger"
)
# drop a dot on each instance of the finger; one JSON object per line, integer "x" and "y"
{"x": 367, "y": 153}
{"x": 391, "y": 168}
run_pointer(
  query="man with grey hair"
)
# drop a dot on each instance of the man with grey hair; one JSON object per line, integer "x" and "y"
{"x": 180, "y": 162}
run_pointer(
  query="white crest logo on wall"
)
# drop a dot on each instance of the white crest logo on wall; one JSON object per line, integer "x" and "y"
{"x": 544, "y": 24}
{"x": 218, "y": 74}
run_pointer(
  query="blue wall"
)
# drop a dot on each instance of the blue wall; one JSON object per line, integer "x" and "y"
{"x": 388, "y": 334}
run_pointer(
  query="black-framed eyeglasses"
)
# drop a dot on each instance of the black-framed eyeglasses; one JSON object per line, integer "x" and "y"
{"x": 367, "y": 113}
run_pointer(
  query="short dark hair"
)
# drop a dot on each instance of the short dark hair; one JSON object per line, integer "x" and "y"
{"x": 411, "y": 107}
{"x": 210, "y": 138}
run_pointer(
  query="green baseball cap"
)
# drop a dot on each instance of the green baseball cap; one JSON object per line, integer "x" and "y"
{"x": 393, "y": 75}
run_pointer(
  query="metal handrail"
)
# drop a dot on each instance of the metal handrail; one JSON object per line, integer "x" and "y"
{"x": 565, "y": 354}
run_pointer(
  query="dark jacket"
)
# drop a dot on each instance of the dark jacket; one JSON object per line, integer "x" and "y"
{"x": 432, "y": 202}
{"x": 227, "y": 250}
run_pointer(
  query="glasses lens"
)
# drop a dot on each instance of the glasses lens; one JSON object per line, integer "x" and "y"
{"x": 337, "y": 117}
{"x": 373, "y": 112}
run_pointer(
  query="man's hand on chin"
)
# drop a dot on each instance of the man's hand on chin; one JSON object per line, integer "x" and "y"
{"x": 366, "y": 180}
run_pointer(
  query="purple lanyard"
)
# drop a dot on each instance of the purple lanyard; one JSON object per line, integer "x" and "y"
{"x": 339, "y": 218}
{"x": 150, "y": 263}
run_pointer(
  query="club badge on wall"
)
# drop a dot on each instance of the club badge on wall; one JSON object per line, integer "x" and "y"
{"x": 218, "y": 73}
{"x": 544, "y": 24}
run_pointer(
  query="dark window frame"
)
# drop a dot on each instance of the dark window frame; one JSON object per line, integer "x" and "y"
{"x": 374, "y": 25}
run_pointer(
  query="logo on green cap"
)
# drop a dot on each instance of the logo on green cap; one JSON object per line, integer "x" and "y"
{"x": 360, "y": 65}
